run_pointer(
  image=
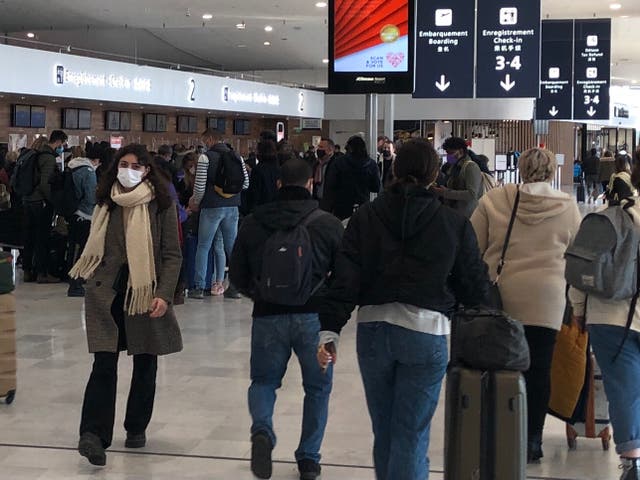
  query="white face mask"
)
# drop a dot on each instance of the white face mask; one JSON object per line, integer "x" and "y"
{"x": 129, "y": 178}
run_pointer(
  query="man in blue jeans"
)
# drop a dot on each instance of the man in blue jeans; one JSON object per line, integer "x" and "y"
{"x": 218, "y": 212}
{"x": 278, "y": 328}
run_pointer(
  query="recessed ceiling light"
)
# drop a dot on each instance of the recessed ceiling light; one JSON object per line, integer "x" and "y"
{"x": 321, "y": 4}
{"x": 325, "y": 60}
{"x": 31, "y": 35}
{"x": 634, "y": 81}
{"x": 268, "y": 28}
{"x": 266, "y": 44}
{"x": 241, "y": 46}
{"x": 241, "y": 26}
{"x": 624, "y": 16}
{"x": 207, "y": 16}
{"x": 615, "y": 6}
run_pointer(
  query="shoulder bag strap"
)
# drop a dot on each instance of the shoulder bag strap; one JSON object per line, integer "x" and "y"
{"x": 505, "y": 247}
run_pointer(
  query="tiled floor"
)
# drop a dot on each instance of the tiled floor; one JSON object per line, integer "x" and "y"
{"x": 200, "y": 425}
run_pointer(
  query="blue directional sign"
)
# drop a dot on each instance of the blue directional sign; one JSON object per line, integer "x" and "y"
{"x": 592, "y": 69}
{"x": 556, "y": 73}
{"x": 445, "y": 37}
{"x": 508, "y": 52}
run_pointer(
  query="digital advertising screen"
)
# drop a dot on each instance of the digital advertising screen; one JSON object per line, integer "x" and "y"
{"x": 371, "y": 46}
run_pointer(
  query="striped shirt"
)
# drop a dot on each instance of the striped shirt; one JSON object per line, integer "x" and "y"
{"x": 202, "y": 176}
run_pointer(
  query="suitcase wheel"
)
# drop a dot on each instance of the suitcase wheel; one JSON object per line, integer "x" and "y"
{"x": 605, "y": 436}
{"x": 572, "y": 437}
{"x": 11, "y": 395}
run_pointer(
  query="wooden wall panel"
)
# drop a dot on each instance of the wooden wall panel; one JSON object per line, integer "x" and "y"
{"x": 508, "y": 134}
{"x": 242, "y": 143}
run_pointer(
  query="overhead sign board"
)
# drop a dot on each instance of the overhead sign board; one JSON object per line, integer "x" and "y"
{"x": 508, "y": 48}
{"x": 592, "y": 69}
{"x": 71, "y": 76}
{"x": 445, "y": 37}
{"x": 371, "y": 46}
{"x": 556, "y": 72}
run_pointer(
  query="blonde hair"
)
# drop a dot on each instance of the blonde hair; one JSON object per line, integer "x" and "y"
{"x": 12, "y": 157}
{"x": 77, "y": 152}
{"x": 537, "y": 165}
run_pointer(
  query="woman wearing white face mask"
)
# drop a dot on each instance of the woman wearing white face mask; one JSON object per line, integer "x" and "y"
{"x": 131, "y": 264}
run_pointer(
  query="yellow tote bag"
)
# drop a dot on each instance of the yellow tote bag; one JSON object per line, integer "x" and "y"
{"x": 568, "y": 370}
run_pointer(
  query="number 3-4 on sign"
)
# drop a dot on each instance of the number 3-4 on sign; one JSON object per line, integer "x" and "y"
{"x": 502, "y": 63}
{"x": 595, "y": 100}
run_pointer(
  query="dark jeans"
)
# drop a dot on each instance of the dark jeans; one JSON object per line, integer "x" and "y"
{"x": 272, "y": 340}
{"x": 402, "y": 372}
{"x": 99, "y": 407}
{"x": 38, "y": 218}
{"x": 189, "y": 263}
{"x": 541, "y": 342}
{"x": 78, "y": 235}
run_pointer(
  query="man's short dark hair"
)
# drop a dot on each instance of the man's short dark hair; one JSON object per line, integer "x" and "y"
{"x": 58, "y": 136}
{"x": 164, "y": 150}
{"x": 267, "y": 135}
{"x": 329, "y": 141}
{"x": 295, "y": 172}
{"x": 455, "y": 143}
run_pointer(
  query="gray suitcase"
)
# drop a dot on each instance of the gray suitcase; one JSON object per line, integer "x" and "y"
{"x": 485, "y": 425}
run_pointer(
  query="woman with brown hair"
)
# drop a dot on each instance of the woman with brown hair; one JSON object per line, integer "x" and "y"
{"x": 614, "y": 333}
{"x": 131, "y": 264}
{"x": 620, "y": 185}
{"x": 407, "y": 261}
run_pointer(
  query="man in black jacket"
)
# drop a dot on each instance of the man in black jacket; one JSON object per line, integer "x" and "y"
{"x": 39, "y": 213}
{"x": 277, "y": 329}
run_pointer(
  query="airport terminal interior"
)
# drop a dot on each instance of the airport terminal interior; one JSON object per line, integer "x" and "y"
{"x": 87, "y": 78}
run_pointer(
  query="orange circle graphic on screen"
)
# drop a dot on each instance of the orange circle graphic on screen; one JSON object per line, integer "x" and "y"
{"x": 389, "y": 33}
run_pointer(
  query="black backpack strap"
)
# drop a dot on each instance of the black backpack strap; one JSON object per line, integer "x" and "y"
{"x": 312, "y": 216}
{"x": 505, "y": 247}
{"x": 306, "y": 221}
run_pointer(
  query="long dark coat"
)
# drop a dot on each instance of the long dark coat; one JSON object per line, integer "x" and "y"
{"x": 156, "y": 336}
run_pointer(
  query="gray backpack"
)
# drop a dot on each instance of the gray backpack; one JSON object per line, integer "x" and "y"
{"x": 603, "y": 258}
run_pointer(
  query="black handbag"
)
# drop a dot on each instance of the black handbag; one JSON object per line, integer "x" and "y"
{"x": 495, "y": 299}
{"x": 489, "y": 340}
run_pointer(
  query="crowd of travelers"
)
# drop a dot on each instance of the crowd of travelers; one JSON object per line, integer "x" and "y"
{"x": 141, "y": 228}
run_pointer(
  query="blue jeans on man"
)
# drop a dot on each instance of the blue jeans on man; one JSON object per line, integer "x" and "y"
{"x": 402, "y": 372}
{"x": 272, "y": 340}
{"x": 620, "y": 378}
{"x": 211, "y": 219}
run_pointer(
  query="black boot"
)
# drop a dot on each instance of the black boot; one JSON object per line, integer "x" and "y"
{"x": 75, "y": 288}
{"x": 90, "y": 446}
{"x": 534, "y": 451}
{"x": 631, "y": 467}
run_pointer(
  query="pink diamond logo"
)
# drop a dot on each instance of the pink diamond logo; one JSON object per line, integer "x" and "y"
{"x": 395, "y": 59}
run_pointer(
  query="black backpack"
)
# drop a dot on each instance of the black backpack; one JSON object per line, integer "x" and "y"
{"x": 287, "y": 265}
{"x": 26, "y": 175}
{"x": 230, "y": 177}
{"x": 63, "y": 192}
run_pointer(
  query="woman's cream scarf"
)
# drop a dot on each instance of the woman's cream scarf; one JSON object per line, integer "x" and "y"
{"x": 139, "y": 243}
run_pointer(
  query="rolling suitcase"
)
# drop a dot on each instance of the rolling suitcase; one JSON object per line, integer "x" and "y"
{"x": 485, "y": 425}
{"x": 7, "y": 330}
{"x": 596, "y": 410}
{"x": 485, "y": 420}
{"x": 581, "y": 193}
